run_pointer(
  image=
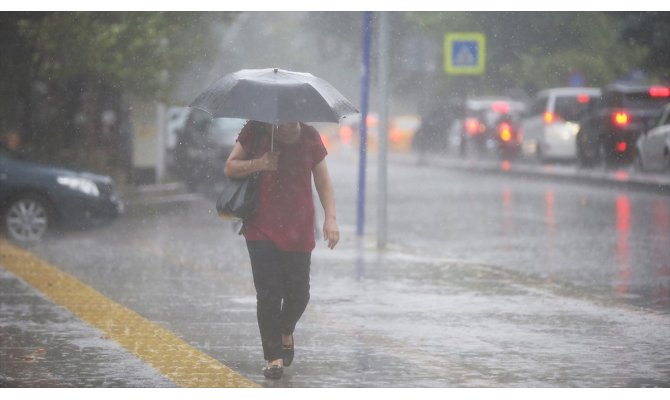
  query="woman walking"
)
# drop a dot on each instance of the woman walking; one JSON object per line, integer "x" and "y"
{"x": 280, "y": 236}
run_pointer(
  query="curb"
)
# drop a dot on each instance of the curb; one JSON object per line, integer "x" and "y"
{"x": 157, "y": 195}
{"x": 621, "y": 178}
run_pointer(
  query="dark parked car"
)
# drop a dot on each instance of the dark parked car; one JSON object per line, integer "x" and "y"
{"x": 203, "y": 146}
{"x": 36, "y": 197}
{"x": 432, "y": 134}
{"x": 612, "y": 126}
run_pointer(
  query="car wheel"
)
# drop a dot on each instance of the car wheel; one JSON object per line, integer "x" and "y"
{"x": 602, "y": 158}
{"x": 581, "y": 158}
{"x": 27, "y": 218}
{"x": 586, "y": 155}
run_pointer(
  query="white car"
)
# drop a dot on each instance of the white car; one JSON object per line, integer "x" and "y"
{"x": 549, "y": 128}
{"x": 653, "y": 146}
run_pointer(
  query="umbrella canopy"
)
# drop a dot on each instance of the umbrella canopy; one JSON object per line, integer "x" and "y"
{"x": 274, "y": 96}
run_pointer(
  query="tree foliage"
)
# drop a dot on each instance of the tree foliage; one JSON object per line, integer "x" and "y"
{"x": 651, "y": 30}
{"x": 134, "y": 51}
{"x": 65, "y": 77}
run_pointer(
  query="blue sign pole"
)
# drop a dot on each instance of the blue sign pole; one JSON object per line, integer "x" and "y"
{"x": 363, "y": 127}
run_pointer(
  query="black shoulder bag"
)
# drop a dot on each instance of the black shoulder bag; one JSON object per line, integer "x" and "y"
{"x": 239, "y": 197}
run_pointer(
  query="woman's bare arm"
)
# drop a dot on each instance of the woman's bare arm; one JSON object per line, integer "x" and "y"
{"x": 324, "y": 188}
{"x": 239, "y": 165}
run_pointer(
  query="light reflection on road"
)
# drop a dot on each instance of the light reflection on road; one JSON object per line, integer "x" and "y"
{"x": 623, "y": 222}
{"x": 629, "y": 219}
{"x": 508, "y": 211}
{"x": 549, "y": 215}
{"x": 550, "y": 219}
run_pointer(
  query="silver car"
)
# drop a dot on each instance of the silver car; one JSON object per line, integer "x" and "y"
{"x": 652, "y": 149}
{"x": 550, "y": 126}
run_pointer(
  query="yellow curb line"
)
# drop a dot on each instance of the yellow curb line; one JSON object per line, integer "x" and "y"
{"x": 171, "y": 356}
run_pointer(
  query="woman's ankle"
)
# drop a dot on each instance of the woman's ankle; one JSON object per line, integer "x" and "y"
{"x": 287, "y": 340}
{"x": 279, "y": 362}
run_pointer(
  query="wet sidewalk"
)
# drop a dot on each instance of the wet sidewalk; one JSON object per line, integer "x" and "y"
{"x": 390, "y": 319}
{"x": 422, "y": 321}
{"x": 43, "y": 345}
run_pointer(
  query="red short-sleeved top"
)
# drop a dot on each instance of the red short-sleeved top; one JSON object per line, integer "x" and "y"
{"x": 285, "y": 212}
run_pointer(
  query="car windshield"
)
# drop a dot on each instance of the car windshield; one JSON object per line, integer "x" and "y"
{"x": 489, "y": 110}
{"x": 225, "y": 130}
{"x": 495, "y": 105}
{"x": 572, "y": 108}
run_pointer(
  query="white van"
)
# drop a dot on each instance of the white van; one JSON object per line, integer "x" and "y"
{"x": 549, "y": 127}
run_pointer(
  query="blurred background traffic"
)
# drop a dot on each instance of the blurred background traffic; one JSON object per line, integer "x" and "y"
{"x": 101, "y": 96}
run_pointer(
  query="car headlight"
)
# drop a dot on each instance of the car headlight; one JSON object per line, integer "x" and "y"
{"x": 82, "y": 185}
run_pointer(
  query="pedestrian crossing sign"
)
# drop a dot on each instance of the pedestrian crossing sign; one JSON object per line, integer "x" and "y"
{"x": 464, "y": 53}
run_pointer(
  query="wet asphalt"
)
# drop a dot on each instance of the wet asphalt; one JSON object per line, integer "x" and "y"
{"x": 417, "y": 314}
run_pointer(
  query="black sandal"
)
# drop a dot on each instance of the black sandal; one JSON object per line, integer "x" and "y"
{"x": 273, "y": 371}
{"x": 287, "y": 352}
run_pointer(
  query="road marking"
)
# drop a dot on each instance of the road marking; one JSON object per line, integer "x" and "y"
{"x": 171, "y": 356}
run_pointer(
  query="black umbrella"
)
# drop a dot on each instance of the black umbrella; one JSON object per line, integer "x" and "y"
{"x": 274, "y": 96}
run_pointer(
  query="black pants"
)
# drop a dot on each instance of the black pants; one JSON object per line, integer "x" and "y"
{"x": 282, "y": 292}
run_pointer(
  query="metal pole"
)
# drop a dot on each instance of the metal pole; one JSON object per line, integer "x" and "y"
{"x": 160, "y": 141}
{"x": 383, "y": 129}
{"x": 365, "y": 82}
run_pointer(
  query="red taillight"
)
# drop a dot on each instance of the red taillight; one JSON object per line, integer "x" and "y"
{"x": 583, "y": 98}
{"x": 472, "y": 126}
{"x": 659, "y": 91}
{"x": 505, "y": 132}
{"x": 620, "y": 118}
{"x": 621, "y": 147}
{"x": 500, "y": 107}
